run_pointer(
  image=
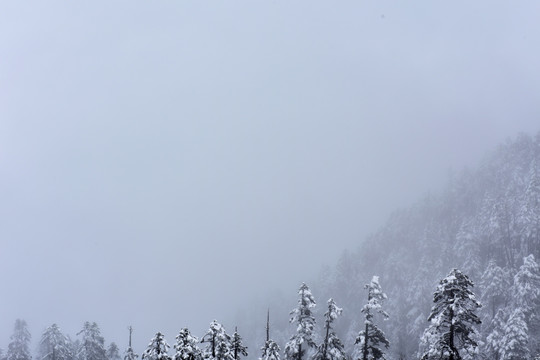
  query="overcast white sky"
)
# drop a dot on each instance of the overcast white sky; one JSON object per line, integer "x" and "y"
{"x": 163, "y": 161}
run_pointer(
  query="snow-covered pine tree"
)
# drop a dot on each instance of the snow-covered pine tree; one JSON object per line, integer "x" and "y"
{"x": 186, "y": 346}
{"x": 303, "y": 317}
{"x": 219, "y": 343}
{"x": 526, "y": 295}
{"x": 332, "y": 347}
{"x": 493, "y": 345}
{"x": 113, "y": 353}
{"x": 236, "y": 345}
{"x": 494, "y": 286}
{"x": 130, "y": 354}
{"x": 18, "y": 348}
{"x": 527, "y": 285}
{"x": 92, "y": 346}
{"x": 515, "y": 342}
{"x": 371, "y": 339}
{"x": 452, "y": 319}
{"x": 270, "y": 350}
{"x": 54, "y": 345}
{"x": 529, "y": 214}
{"x": 157, "y": 349}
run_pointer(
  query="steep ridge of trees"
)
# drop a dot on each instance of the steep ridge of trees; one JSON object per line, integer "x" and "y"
{"x": 486, "y": 222}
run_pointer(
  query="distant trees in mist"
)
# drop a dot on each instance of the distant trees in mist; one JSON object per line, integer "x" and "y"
{"x": 450, "y": 330}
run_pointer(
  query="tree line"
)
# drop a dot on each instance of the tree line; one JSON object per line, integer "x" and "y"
{"x": 451, "y": 334}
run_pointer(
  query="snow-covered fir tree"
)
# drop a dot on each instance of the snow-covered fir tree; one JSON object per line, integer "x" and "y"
{"x": 129, "y": 353}
{"x": 237, "y": 347}
{"x": 371, "y": 339}
{"x": 526, "y": 290}
{"x": 270, "y": 351}
{"x": 527, "y": 285}
{"x": 331, "y": 347}
{"x": 113, "y": 352}
{"x": 493, "y": 343}
{"x": 186, "y": 346}
{"x": 19, "y": 347}
{"x": 219, "y": 343}
{"x": 92, "y": 346}
{"x": 157, "y": 349}
{"x": 515, "y": 342}
{"x": 54, "y": 345}
{"x": 452, "y": 319}
{"x": 303, "y": 317}
{"x": 494, "y": 285}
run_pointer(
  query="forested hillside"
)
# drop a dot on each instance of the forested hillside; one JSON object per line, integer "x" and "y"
{"x": 486, "y": 223}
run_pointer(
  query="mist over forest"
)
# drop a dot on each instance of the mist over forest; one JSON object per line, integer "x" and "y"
{"x": 486, "y": 223}
{"x": 209, "y": 171}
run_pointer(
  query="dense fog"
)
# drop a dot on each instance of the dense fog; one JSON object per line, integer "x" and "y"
{"x": 169, "y": 163}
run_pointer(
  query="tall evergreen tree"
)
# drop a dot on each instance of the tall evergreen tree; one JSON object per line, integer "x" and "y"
{"x": 186, "y": 346}
{"x": 236, "y": 345}
{"x": 331, "y": 348}
{"x": 452, "y": 319}
{"x": 494, "y": 285}
{"x": 372, "y": 339}
{"x": 515, "y": 341}
{"x": 303, "y": 317}
{"x": 527, "y": 285}
{"x": 113, "y": 353}
{"x": 219, "y": 343}
{"x": 130, "y": 354}
{"x": 526, "y": 290}
{"x": 54, "y": 345}
{"x": 19, "y": 347}
{"x": 493, "y": 346}
{"x": 270, "y": 350}
{"x": 92, "y": 346}
{"x": 157, "y": 349}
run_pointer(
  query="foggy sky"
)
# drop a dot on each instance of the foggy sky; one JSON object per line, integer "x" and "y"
{"x": 163, "y": 162}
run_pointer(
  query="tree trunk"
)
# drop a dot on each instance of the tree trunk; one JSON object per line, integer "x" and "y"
{"x": 325, "y": 346}
{"x": 365, "y": 350}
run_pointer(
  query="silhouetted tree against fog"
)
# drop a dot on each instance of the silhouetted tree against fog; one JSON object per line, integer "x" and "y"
{"x": 371, "y": 339}
{"x": 331, "y": 348}
{"x": 54, "y": 345}
{"x": 270, "y": 350}
{"x": 18, "y": 348}
{"x": 130, "y": 354}
{"x": 452, "y": 318}
{"x": 157, "y": 349}
{"x": 113, "y": 353}
{"x": 303, "y": 317}
{"x": 236, "y": 345}
{"x": 92, "y": 346}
